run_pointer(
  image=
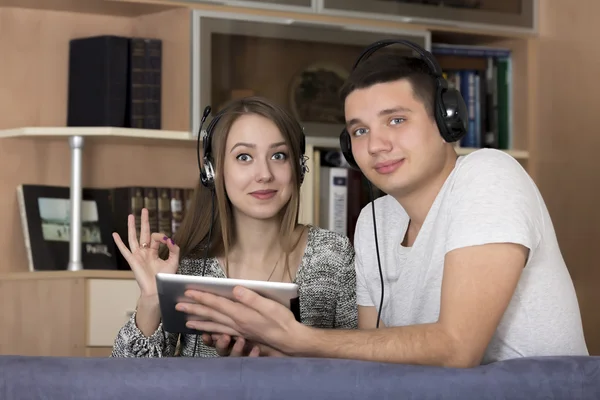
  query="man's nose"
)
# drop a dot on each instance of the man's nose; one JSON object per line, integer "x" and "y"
{"x": 378, "y": 141}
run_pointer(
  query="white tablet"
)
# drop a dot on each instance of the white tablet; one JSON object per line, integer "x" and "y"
{"x": 172, "y": 287}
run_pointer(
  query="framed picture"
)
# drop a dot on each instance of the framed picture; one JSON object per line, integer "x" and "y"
{"x": 45, "y": 220}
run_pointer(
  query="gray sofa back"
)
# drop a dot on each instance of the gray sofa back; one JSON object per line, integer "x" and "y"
{"x": 292, "y": 378}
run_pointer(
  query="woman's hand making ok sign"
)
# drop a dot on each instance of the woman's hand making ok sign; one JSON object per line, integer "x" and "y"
{"x": 143, "y": 257}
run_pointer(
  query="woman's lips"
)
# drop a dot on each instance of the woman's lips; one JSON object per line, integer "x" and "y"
{"x": 263, "y": 194}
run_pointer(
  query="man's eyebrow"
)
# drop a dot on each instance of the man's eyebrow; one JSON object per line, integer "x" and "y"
{"x": 394, "y": 110}
{"x": 381, "y": 113}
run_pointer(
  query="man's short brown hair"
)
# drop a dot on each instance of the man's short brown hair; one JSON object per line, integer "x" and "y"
{"x": 387, "y": 66}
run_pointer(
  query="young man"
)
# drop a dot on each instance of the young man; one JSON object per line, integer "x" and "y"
{"x": 472, "y": 268}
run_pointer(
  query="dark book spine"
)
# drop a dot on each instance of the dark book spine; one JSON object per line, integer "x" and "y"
{"x": 97, "y": 82}
{"x": 164, "y": 211}
{"x": 153, "y": 84}
{"x": 135, "y": 85}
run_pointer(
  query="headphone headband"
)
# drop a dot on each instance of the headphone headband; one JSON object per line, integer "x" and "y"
{"x": 432, "y": 63}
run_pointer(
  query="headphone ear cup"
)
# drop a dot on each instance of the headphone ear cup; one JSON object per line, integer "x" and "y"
{"x": 207, "y": 175}
{"x": 346, "y": 146}
{"x": 452, "y": 115}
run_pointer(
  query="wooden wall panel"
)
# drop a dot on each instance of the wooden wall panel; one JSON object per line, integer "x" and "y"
{"x": 567, "y": 143}
{"x": 33, "y": 79}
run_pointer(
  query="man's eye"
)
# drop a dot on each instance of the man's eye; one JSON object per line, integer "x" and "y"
{"x": 360, "y": 131}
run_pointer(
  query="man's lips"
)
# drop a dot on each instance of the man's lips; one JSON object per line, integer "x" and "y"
{"x": 386, "y": 167}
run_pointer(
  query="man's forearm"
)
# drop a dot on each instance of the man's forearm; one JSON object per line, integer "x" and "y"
{"x": 426, "y": 344}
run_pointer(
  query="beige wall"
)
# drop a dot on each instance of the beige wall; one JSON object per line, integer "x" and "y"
{"x": 567, "y": 143}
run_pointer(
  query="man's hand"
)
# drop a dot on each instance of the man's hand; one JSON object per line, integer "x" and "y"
{"x": 240, "y": 348}
{"x": 252, "y": 317}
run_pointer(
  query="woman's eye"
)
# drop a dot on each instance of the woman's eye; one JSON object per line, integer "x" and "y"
{"x": 279, "y": 156}
{"x": 396, "y": 121}
{"x": 243, "y": 157}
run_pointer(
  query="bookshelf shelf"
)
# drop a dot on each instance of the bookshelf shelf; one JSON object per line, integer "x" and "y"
{"x": 100, "y": 7}
{"x": 103, "y": 134}
{"x": 86, "y": 273}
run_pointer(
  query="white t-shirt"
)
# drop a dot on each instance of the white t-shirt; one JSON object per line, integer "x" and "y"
{"x": 488, "y": 198}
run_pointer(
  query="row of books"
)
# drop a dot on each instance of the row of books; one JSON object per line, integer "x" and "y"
{"x": 483, "y": 76}
{"x": 45, "y": 220}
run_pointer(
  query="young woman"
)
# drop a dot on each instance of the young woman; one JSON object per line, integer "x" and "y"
{"x": 255, "y": 153}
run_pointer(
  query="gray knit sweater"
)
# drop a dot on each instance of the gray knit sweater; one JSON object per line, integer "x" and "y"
{"x": 327, "y": 288}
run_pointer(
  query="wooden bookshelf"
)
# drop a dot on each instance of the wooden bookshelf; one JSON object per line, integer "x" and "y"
{"x": 33, "y": 97}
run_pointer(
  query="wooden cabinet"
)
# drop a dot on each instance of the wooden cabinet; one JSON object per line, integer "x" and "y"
{"x": 64, "y": 313}
{"x": 505, "y": 14}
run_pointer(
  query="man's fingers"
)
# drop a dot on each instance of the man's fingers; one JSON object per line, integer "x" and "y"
{"x": 222, "y": 345}
{"x": 238, "y": 348}
{"x": 209, "y": 326}
{"x": 252, "y": 299}
{"x": 199, "y": 311}
{"x": 255, "y": 352}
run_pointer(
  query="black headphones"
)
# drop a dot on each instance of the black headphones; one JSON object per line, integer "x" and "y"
{"x": 207, "y": 171}
{"x": 450, "y": 110}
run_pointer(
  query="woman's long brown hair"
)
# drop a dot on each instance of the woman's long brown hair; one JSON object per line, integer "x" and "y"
{"x": 192, "y": 235}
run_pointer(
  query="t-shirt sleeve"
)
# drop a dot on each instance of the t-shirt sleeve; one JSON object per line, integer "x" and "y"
{"x": 493, "y": 201}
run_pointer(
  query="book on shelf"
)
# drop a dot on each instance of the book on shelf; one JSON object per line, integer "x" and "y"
{"x": 45, "y": 221}
{"x": 115, "y": 81}
{"x": 340, "y": 193}
{"x": 483, "y": 76}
